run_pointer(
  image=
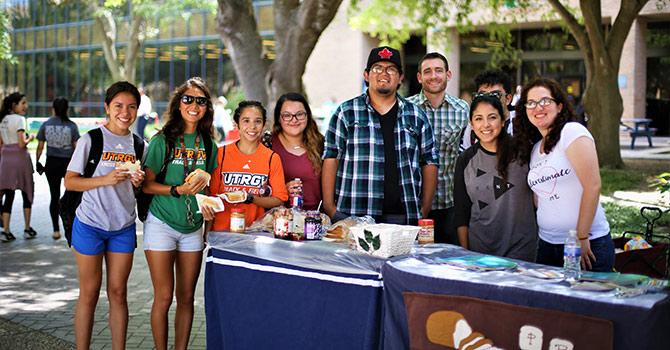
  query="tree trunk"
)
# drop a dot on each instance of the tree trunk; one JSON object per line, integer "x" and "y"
{"x": 239, "y": 33}
{"x": 298, "y": 26}
{"x": 604, "y": 106}
{"x": 107, "y": 26}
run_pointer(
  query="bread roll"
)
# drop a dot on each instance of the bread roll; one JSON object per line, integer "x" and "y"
{"x": 197, "y": 174}
{"x": 131, "y": 167}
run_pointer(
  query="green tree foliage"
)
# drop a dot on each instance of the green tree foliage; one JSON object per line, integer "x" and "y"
{"x": 128, "y": 21}
{"x": 601, "y": 46}
{"x": 5, "y": 39}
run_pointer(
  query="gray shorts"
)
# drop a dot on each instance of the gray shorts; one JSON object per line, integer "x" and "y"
{"x": 160, "y": 236}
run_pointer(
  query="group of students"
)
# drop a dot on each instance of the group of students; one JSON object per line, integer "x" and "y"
{"x": 549, "y": 163}
{"x": 173, "y": 237}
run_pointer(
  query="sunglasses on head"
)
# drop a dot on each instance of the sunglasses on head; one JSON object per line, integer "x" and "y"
{"x": 495, "y": 94}
{"x": 188, "y": 99}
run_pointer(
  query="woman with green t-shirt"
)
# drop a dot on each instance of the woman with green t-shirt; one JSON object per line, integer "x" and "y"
{"x": 173, "y": 235}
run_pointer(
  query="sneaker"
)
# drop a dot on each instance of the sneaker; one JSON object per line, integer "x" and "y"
{"x": 6, "y": 237}
{"x": 29, "y": 233}
{"x": 56, "y": 235}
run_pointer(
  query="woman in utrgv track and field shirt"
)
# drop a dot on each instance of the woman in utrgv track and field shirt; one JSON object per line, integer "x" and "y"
{"x": 248, "y": 166}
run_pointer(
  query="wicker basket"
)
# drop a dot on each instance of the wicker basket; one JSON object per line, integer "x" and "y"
{"x": 384, "y": 240}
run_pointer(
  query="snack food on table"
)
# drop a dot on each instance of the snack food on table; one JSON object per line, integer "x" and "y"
{"x": 340, "y": 229}
{"x": 132, "y": 167}
{"x": 235, "y": 196}
{"x": 196, "y": 175}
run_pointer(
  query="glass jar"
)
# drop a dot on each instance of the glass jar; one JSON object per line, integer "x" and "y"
{"x": 427, "y": 231}
{"x": 237, "y": 220}
{"x": 313, "y": 225}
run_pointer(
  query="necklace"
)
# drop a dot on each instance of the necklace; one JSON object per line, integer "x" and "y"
{"x": 292, "y": 146}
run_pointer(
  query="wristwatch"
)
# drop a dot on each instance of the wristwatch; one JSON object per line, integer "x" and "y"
{"x": 250, "y": 199}
{"x": 173, "y": 192}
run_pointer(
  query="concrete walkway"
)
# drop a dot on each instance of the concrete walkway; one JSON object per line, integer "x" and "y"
{"x": 39, "y": 290}
{"x": 38, "y": 282}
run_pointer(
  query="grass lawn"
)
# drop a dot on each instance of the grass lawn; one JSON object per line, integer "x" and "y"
{"x": 636, "y": 177}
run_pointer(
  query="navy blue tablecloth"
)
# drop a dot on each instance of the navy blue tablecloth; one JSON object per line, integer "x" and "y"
{"x": 641, "y": 322}
{"x": 262, "y": 293}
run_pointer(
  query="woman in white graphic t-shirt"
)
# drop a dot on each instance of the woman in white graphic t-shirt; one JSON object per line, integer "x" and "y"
{"x": 564, "y": 176}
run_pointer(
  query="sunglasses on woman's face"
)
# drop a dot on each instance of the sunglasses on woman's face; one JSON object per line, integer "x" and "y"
{"x": 188, "y": 99}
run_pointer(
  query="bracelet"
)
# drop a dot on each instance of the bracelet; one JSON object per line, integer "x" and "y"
{"x": 583, "y": 238}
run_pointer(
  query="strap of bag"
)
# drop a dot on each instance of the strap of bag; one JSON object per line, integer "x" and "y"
{"x": 138, "y": 145}
{"x": 95, "y": 153}
{"x": 169, "y": 154}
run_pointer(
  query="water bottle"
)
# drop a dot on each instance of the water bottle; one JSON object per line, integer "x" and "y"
{"x": 296, "y": 198}
{"x": 572, "y": 252}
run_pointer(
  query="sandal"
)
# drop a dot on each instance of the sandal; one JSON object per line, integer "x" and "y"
{"x": 7, "y": 237}
{"x": 56, "y": 235}
{"x": 29, "y": 233}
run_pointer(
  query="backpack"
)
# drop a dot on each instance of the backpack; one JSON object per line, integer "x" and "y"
{"x": 144, "y": 199}
{"x": 70, "y": 201}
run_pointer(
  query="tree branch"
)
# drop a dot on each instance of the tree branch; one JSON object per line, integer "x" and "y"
{"x": 620, "y": 29}
{"x": 107, "y": 25}
{"x": 575, "y": 28}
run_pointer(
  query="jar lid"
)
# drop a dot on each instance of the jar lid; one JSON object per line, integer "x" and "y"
{"x": 238, "y": 210}
{"x": 425, "y": 222}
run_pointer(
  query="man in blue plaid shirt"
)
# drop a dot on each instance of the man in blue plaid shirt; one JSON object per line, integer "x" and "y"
{"x": 448, "y": 116}
{"x": 379, "y": 156}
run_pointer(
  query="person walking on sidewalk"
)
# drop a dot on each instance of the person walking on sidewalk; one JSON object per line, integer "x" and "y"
{"x": 61, "y": 135}
{"x": 173, "y": 236}
{"x": 15, "y": 164}
{"x": 104, "y": 226}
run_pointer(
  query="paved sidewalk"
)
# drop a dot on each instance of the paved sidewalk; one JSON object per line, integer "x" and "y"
{"x": 39, "y": 289}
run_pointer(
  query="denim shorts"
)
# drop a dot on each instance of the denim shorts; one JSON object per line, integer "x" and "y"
{"x": 160, "y": 236}
{"x": 90, "y": 240}
{"x": 602, "y": 248}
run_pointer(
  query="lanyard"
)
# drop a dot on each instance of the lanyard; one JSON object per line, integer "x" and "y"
{"x": 185, "y": 158}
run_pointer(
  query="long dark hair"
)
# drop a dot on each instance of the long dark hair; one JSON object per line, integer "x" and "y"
{"x": 505, "y": 150}
{"x": 8, "y": 104}
{"x": 526, "y": 133}
{"x": 311, "y": 136}
{"x": 175, "y": 126}
{"x": 60, "y": 106}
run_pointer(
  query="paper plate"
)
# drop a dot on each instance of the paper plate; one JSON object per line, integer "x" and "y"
{"x": 215, "y": 202}
{"x": 482, "y": 262}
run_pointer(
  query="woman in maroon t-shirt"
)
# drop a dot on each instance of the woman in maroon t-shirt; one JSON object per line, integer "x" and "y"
{"x": 297, "y": 140}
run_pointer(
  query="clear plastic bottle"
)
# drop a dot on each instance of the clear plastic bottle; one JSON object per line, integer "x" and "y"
{"x": 572, "y": 252}
{"x": 296, "y": 198}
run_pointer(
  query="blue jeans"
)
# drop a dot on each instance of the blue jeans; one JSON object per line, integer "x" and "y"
{"x": 602, "y": 248}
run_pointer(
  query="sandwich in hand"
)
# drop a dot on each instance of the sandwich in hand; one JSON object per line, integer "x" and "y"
{"x": 196, "y": 175}
{"x": 131, "y": 167}
{"x": 235, "y": 196}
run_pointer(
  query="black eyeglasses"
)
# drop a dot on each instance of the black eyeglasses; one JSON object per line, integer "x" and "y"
{"x": 495, "y": 94}
{"x": 543, "y": 102}
{"x": 299, "y": 116}
{"x": 188, "y": 99}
